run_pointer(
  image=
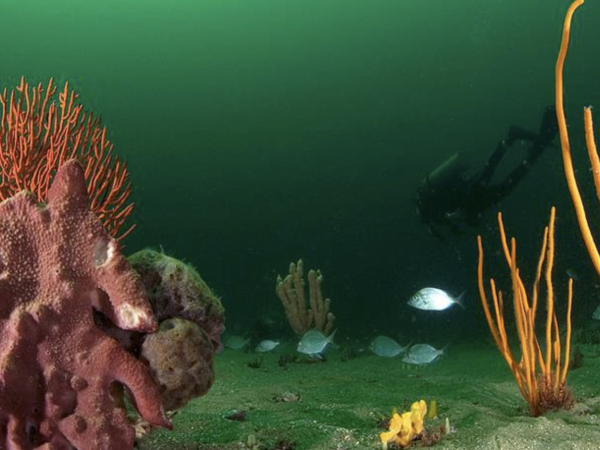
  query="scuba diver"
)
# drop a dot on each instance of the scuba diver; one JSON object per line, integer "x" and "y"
{"x": 448, "y": 197}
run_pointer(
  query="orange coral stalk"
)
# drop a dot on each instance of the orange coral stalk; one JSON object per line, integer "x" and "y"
{"x": 544, "y": 389}
{"x": 37, "y": 136}
{"x": 566, "y": 146}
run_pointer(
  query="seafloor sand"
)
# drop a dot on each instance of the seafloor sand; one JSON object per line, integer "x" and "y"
{"x": 341, "y": 404}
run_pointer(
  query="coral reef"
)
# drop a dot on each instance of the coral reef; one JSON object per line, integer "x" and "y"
{"x": 57, "y": 369}
{"x": 304, "y": 315}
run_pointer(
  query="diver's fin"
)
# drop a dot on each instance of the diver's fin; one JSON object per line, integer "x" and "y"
{"x": 545, "y": 135}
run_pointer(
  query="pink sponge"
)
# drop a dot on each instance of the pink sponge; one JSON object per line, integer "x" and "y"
{"x": 57, "y": 264}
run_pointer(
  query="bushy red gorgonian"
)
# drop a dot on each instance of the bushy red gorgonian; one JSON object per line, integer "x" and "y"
{"x": 37, "y": 136}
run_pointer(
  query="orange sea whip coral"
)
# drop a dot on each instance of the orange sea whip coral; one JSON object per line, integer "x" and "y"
{"x": 547, "y": 389}
{"x": 566, "y": 147}
{"x": 37, "y": 136}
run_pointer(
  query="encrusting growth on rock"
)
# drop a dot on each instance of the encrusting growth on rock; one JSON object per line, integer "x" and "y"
{"x": 57, "y": 264}
{"x": 176, "y": 290}
{"x": 180, "y": 354}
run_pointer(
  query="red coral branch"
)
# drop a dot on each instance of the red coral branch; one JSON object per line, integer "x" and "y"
{"x": 37, "y": 136}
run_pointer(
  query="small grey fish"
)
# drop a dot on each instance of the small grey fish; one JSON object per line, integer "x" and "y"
{"x": 266, "y": 346}
{"x": 422, "y": 354}
{"x": 314, "y": 342}
{"x": 434, "y": 299}
{"x": 596, "y": 314}
{"x": 386, "y": 347}
{"x": 236, "y": 342}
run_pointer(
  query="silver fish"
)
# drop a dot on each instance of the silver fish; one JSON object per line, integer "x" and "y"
{"x": 434, "y": 299}
{"x": 422, "y": 354}
{"x": 386, "y": 347}
{"x": 596, "y": 314}
{"x": 266, "y": 346}
{"x": 236, "y": 342}
{"x": 314, "y": 342}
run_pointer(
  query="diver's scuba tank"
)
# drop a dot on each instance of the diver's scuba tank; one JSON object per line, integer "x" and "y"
{"x": 447, "y": 172}
{"x": 441, "y": 180}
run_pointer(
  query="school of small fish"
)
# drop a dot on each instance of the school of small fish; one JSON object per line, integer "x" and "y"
{"x": 314, "y": 343}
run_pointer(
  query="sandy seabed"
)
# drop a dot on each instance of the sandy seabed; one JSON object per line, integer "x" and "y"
{"x": 338, "y": 405}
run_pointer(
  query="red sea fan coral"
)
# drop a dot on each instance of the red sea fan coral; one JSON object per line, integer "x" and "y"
{"x": 57, "y": 369}
{"x": 37, "y": 136}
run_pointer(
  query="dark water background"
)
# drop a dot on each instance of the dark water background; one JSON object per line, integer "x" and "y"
{"x": 259, "y": 132}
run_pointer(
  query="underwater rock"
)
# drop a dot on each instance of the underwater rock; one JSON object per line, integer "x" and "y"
{"x": 180, "y": 357}
{"x": 180, "y": 354}
{"x": 238, "y": 415}
{"x": 191, "y": 320}
{"x": 175, "y": 289}
{"x": 286, "y": 397}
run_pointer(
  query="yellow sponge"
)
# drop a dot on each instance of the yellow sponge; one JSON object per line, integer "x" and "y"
{"x": 405, "y": 427}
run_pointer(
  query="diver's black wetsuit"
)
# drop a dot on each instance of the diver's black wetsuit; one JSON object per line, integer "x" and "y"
{"x": 465, "y": 199}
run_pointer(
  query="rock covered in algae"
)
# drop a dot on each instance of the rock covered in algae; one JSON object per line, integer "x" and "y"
{"x": 175, "y": 289}
{"x": 180, "y": 357}
{"x": 180, "y": 354}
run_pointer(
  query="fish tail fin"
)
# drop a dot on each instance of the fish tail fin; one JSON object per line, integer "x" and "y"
{"x": 460, "y": 300}
{"x": 331, "y": 336}
{"x": 445, "y": 349}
